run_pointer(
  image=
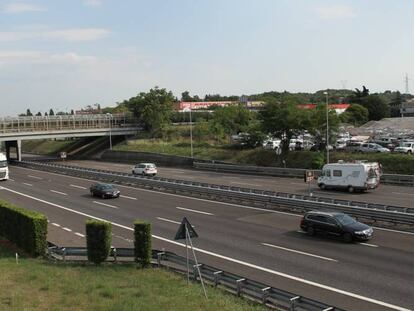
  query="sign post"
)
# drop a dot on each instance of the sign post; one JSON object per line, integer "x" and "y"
{"x": 63, "y": 155}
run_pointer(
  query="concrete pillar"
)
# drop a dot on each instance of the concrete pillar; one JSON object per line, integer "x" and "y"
{"x": 17, "y": 144}
{"x": 19, "y": 150}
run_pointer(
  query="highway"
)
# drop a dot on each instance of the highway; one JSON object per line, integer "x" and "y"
{"x": 385, "y": 194}
{"x": 258, "y": 244}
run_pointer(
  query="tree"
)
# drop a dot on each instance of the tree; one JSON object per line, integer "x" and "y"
{"x": 51, "y": 113}
{"x": 377, "y": 107}
{"x": 185, "y": 97}
{"x": 318, "y": 126}
{"x": 153, "y": 109}
{"x": 232, "y": 119}
{"x": 355, "y": 114}
{"x": 284, "y": 119}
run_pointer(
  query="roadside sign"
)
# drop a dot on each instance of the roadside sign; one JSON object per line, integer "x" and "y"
{"x": 63, "y": 155}
{"x": 309, "y": 176}
{"x": 180, "y": 235}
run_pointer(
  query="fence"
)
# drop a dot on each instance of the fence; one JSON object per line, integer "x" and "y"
{"x": 393, "y": 216}
{"x": 233, "y": 283}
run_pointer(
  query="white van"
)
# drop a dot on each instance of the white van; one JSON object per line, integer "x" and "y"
{"x": 351, "y": 176}
{"x": 4, "y": 168}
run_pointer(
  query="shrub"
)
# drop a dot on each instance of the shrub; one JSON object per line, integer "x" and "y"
{"x": 27, "y": 229}
{"x": 142, "y": 243}
{"x": 98, "y": 240}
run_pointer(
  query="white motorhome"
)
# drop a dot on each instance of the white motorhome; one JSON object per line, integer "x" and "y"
{"x": 4, "y": 168}
{"x": 353, "y": 176}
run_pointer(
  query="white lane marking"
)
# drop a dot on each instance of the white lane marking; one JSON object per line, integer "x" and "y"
{"x": 76, "y": 186}
{"x": 120, "y": 165}
{"x": 205, "y": 200}
{"x": 299, "y": 252}
{"x": 27, "y": 184}
{"x": 169, "y": 220}
{"x": 67, "y": 229}
{"x": 35, "y": 177}
{"x": 11, "y": 179}
{"x": 126, "y": 197}
{"x": 367, "y": 244}
{"x": 100, "y": 203}
{"x": 194, "y": 211}
{"x": 403, "y": 193}
{"x": 58, "y": 192}
{"x": 243, "y": 183}
{"x": 80, "y": 234}
{"x": 172, "y": 221}
{"x": 247, "y": 264}
{"x": 55, "y": 224}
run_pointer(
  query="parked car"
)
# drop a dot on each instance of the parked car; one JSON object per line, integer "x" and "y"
{"x": 371, "y": 148}
{"x": 272, "y": 144}
{"x": 104, "y": 191}
{"x": 337, "y": 224}
{"x": 353, "y": 146}
{"x": 148, "y": 169}
{"x": 406, "y": 147}
{"x": 387, "y": 142}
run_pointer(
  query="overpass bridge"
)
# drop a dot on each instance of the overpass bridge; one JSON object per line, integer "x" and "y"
{"x": 13, "y": 130}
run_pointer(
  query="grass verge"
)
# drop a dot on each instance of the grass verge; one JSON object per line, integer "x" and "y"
{"x": 36, "y": 284}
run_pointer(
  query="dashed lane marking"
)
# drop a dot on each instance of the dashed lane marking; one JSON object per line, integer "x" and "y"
{"x": 104, "y": 204}
{"x": 55, "y": 224}
{"x": 79, "y": 187}
{"x": 194, "y": 211}
{"x": 11, "y": 179}
{"x": 35, "y": 177}
{"x": 80, "y": 234}
{"x": 126, "y": 197}
{"x": 234, "y": 260}
{"x": 58, "y": 192}
{"x": 299, "y": 252}
{"x": 27, "y": 184}
{"x": 67, "y": 229}
{"x": 172, "y": 221}
{"x": 367, "y": 244}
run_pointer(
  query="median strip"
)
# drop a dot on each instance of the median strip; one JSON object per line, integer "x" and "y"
{"x": 299, "y": 252}
{"x": 194, "y": 211}
{"x": 111, "y": 206}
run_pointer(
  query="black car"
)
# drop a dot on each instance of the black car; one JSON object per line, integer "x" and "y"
{"x": 104, "y": 191}
{"x": 335, "y": 223}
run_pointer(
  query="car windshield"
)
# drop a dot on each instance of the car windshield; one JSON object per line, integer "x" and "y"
{"x": 3, "y": 163}
{"x": 151, "y": 166}
{"x": 106, "y": 187}
{"x": 344, "y": 219}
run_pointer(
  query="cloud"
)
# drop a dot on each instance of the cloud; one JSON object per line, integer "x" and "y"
{"x": 93, "y": 3}
{"x": 16, "y": 8}
{"x": 70, "y": 35}
{"x": 39, "y": 57}
{"x": 335, "y": 11}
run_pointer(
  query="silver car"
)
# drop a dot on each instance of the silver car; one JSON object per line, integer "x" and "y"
{"x": 371, "y": 148}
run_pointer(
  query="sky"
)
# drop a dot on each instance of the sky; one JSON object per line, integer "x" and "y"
{"x": 68, "y": 54}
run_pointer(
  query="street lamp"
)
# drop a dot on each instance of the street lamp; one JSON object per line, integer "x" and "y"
{"x": 110, "y": 130}
{"x": 191, "y": 134}
{"x": 327, "y": 128}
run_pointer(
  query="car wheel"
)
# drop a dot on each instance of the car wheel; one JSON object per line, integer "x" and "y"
{"x": 409, "y": 152}
{"x": 347, "y": 237}
{"x": 322, "y": 186}
{"x": 103, "y": 196}
{"x": 351, "y": 189}
{"x": 92, "y": 194}
{"x": 311, "y": 231}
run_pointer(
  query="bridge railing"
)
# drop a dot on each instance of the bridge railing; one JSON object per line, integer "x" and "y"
{"x": 64, "y": 122}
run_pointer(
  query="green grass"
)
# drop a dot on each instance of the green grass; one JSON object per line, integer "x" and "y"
{"x": 36, "y": 284}
{"x": 45, "y": 146}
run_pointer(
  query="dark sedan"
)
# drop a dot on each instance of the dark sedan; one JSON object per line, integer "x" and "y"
{"x": 338, "y": 224}
{"x": 104, "y": 191}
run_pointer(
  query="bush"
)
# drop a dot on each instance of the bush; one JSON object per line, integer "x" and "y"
{"x": 98, "y": 240}
{"x": 142, "y": 243}
{"x": 27, "y": 229}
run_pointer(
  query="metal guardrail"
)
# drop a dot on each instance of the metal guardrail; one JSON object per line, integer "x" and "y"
{"x": 405, "y": 180}
{"x": 392, "y": 215}
{"x": 233, "y": 283}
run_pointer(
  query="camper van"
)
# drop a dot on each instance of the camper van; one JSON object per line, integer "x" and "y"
{"x": 4, "y": 169}
{"x": 353, "y": 176}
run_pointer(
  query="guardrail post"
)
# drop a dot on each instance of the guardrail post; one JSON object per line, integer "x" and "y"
{"x": 239, "y": 284}
{"x": 64, "y": 254}
{"x": 159, "y": 258}
{"x": 217, "y": 276}
{"x": 292, "y": 302}
{"x": 195, "y": 271}
{"x": 265, "y": 294}
{"x": 114, "y": 252}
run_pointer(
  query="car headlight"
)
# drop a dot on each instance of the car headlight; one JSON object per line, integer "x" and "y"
{"x": 366, "y": 231}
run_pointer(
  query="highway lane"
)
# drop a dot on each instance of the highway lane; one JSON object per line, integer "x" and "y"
{"x": 385, "y": 194}
{"x": 240, "y": 233}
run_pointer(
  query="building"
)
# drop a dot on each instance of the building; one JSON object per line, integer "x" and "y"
{"x": 339, "y": 108}
{"x": 186, "y": 106}
{"x": 407, "y": 108}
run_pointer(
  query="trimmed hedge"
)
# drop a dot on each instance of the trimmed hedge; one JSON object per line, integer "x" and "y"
{"x": 27, "y": 229}
{"x": 98, "y": 240}
{"x": 142, "y": 243}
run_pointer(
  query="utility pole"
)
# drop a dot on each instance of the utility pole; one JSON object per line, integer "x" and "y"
{"x": 327, "y": 128}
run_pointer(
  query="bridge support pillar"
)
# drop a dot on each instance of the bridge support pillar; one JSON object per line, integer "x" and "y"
{"x": 17, "y": 144}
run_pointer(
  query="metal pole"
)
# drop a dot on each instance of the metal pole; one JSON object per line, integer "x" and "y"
{"x": 186, "y": 248}
{"x": 191, "y": 134}
{"x": 327, "y": 127}
{"x": 110, "y": 131}
{"x": 197, "y": 265}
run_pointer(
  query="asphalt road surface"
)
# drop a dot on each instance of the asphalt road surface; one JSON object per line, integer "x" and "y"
{"x": 255, "y": 243}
